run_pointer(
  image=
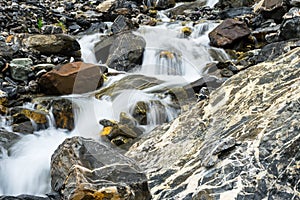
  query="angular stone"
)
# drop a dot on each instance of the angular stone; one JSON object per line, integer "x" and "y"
{"x": 20, "y": 68}
{"x": 62, "y": 110}
{"x": 272, "y": 9}
{"x": 85, "y": 169}
{"x": 77, "y": 77}
{"x": 290, "y": 27}
{"x": 229, "y": 32}
{"x": 225, "y": 4}
{"x": 54, "y": 44}
{"x": 125, "y": 51}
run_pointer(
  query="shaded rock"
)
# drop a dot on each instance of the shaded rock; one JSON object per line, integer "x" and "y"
{"x": 3, "y": 102}
{"x": 54, "y": 44}
{"x": 77, "y": 77}
{"x": 223, "y": 4}
{"x": 184, "y": 8}
{"x": 230, "y": 144}
{"x": 85, "y": 169}
{"x": 7, "y": 139}
{"x": 272, "y": 9}
{"x": 121, "y": 24}
{"x": 22, "y": 124}
{"x": 126, "y": 52}
{"x": 235, "y": 12}
{"x": 118, "y": 133}
{"x": 274, "y": 50}
{"x": 290, "y": 28}
{"x": 229, "y": 32}
{"x": 24, "y": 197}
{"x": 20, "y": 68}
{"x": 62, "y": 110}
{"x": 138, "y": 82}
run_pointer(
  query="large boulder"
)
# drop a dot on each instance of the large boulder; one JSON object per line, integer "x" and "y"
{"x": 122, "y": 52}
{"x": 85, "y": 169}
{"x": 228, "y": 33}
{"x": 77, "y": 77}
{"x": 242, "y": 143}
{"x": 54, "y": 44}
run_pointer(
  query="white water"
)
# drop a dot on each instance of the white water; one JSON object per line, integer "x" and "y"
{"x": 24, "y": 169}
{"x": 211, "y": 3}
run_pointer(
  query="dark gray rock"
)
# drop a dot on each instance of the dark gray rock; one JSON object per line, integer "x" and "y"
{"x": 235, "y": 12}
{"x": 224, "y": 4}
{"x": 83, "y": 168}
{"x": 290, "y": 27}
{"x": 126, "y": 52}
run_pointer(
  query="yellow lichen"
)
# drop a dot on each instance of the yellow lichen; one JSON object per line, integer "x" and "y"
{"x": 106, "y": 130}
{"x": 166, "y": 54}
{"x": 186, "y": 31}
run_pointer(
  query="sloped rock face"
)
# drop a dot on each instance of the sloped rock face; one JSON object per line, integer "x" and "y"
{"x": 85, "y": 169}
{"x": 242, "y": 143}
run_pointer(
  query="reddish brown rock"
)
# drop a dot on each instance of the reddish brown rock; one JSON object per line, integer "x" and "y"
{"x": 228, "y": 32}
{"x": 77, "y": 77}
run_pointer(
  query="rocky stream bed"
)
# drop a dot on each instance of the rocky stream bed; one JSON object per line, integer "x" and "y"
{"x": 140, "y": 100}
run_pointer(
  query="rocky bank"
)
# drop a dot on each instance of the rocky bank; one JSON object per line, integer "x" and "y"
{"x": 237, "y": 134}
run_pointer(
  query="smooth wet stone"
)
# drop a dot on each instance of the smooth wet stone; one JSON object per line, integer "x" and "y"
{"x": 77, "y": 77}
{"x": 231, "y": 143}
{"x": 20, "y": 68}
{"x": 85, "y": 169}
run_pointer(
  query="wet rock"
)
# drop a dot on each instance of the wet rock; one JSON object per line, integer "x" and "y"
{"x": 3, "y": 102}
{"x": 77, "y": 77}
{"x": 235, "y": 12}
{"x": 85, "y": 169}
{"x": 24, "y": 197}
{"x": 22, "y": 124}
{"x": 138, "y": 82}
{"x": 118, "y": 133}
{"x": 230, "y": 143}
{"x": 289, "y": 28}
{"x": 54, "y": 44}
{"x": 184, "y": 8}
{"x": 20, "y": 68}
{"x": 187, "y": 31}
{"x": 126, "y": 52}
{"x": 121, "y": 24}
{"x": 228, "y": 33}
{"x": 7, "y": 139}
{"x": 62, "y": 110}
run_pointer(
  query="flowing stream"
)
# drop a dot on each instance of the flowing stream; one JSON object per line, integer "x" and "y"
{"x": 25, "y": 167}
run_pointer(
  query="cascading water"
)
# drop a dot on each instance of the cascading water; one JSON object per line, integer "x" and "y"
{"x": 25, "y": 167}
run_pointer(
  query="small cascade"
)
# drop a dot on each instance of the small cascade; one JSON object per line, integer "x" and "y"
{"x": 25, "y": 169}
{"x": 211, "y": 3}
{"x": 87, "y": 44}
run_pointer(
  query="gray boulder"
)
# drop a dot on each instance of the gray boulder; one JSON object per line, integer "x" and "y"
{"x": 85, "y": 169}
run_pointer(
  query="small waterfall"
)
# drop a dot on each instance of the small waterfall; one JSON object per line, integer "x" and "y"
{"x": 25, "y": 169}
{"x": 87, "y": 44}
{"x": 211, "y": 3}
